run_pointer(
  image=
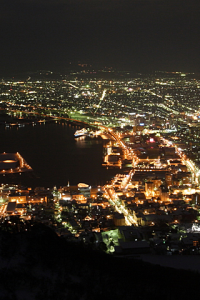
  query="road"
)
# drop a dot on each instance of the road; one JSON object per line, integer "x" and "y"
{"x": 119, "y": 207}
{"x": 195, "y": 171}
{"x": 113, "y": 199}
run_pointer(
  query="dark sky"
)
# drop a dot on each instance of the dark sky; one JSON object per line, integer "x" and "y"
{"x": 137, "y": 34}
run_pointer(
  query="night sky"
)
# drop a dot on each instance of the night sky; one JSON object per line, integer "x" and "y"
{"x": 141, "y": 35}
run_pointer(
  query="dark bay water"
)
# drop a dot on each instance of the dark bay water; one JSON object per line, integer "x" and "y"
{"x": 55, "y": 156}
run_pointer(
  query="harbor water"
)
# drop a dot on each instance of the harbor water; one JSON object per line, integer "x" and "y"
{"x": 56, "y": 157}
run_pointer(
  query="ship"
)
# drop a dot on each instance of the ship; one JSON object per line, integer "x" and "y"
{"x": 81, "y": 132}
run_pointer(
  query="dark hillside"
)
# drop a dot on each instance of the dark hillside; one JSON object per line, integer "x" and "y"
{"x": 40, "y": 265}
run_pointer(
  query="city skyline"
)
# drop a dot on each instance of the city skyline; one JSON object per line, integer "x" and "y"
{"x": 128, "y": 184}
{"x": 100, "y": 149}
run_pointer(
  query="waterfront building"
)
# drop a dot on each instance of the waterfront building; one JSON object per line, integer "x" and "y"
{"x": 84, "y": 189}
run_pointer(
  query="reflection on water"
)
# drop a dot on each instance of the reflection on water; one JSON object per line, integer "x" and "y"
{"x": 55, "y": 155}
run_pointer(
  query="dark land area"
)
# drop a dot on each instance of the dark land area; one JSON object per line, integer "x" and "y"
{"x": 38, "y": 264}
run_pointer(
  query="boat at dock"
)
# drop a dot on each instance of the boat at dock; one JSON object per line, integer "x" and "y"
{"x": 81, "y": 132}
